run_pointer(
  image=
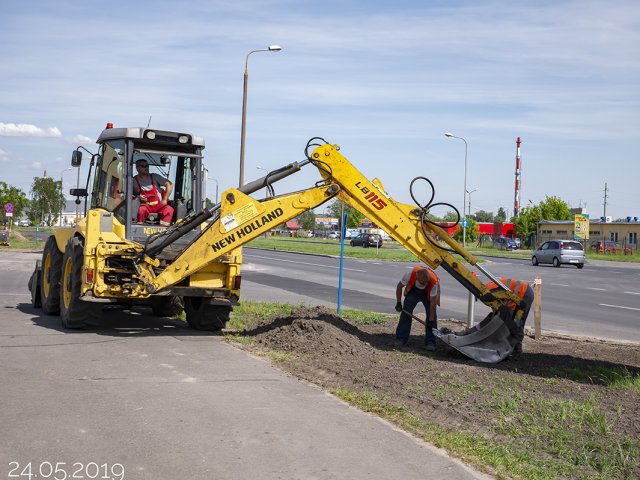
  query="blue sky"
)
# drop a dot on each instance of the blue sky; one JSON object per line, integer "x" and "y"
{"x": 384, "y": 80}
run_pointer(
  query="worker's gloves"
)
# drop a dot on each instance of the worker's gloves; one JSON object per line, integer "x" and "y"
{"x": 399, "y": 307}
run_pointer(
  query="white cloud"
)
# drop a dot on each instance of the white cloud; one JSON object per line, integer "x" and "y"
{"x": 4, "y": 156}
{"x": 27, "y": 130}
{"x": 36, "y": 165}
{"x": 81, "y": 139}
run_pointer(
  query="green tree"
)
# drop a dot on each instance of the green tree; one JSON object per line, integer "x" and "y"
{"x": 47, "y": 200}
{"x": 15, "y": 196}
{"x": 354, "y": 217}
{"x": 527, "y": 221}
{"x": 553, "y": 208}
{"x": 450, "y": 216}
{"x": 501, "y": 216}
{"x": 307, "y": 220}
{"x": 482, "y": 216}
{"x": 208, "y": 203}
{"x": 471, "y": 232}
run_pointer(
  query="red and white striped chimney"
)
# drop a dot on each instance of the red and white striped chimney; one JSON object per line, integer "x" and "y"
{"x": 516, "y": 200}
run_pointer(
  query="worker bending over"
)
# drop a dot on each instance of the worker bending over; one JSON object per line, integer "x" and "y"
{"x": 421, "y": 285}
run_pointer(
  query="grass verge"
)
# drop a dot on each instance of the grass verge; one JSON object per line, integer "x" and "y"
{"x": 552, "y": 439}
{"x": 618, "y": 378}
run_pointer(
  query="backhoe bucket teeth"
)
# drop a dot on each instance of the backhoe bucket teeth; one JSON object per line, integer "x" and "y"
{"x": 490, "y": 342}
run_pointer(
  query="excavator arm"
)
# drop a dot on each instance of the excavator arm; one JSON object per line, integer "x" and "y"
{"x": 501, "y": 331}
{"x": 239, "y": 218}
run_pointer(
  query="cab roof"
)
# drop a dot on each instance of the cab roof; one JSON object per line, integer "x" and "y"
{"x": 149, "y": 134}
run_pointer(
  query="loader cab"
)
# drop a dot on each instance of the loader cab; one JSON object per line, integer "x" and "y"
{"x": 170, "y": 156}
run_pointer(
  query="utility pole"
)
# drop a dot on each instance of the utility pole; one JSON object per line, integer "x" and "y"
{"x": 605, "y": 201}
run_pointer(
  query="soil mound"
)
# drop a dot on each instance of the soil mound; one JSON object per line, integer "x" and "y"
{"x": 311, "y": 330}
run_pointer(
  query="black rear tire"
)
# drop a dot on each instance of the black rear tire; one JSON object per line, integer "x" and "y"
{"x": 50, "y": 277}
{"x": 74, "y": 312}
{"x": 580, "y": 265}
{"x": 166, "y": 306}
{"x": 556, "y": 262}
{"x": 204, "y": 316}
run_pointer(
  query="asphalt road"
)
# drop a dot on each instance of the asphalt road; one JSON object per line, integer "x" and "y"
{"x": 601, "y": 300}
{"x": 152, "y": 399}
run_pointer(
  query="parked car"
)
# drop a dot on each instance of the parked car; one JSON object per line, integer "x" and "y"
{"x": 505, "y": 243}
{"x": 366, "y": 240}
{"x": 333, "y": 235}
{"x": 23, "y": 223}
{"x": 557, "y": 252}
{"x": 609, "y": 247}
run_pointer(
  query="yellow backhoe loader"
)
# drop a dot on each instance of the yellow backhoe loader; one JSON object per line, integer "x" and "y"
{"x": 194, "y": 263}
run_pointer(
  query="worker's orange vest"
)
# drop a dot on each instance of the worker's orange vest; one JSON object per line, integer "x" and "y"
{"x": 433, "y": 280}
{"x": 516, "y": 286}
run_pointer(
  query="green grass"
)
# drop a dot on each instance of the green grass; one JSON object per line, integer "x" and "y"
{"x": 617, "y": 257}
{"x": 545, "y": 438}
{"x": 23, "y": 244}
{"x": 277, "y": 355}
{"x": 332, "y": 247}
{"x": 618, "y": 378}
{"x": 364, "y": 317}
{"x": 250, "y": 313}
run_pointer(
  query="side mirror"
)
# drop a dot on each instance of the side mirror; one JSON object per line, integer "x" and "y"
{"x": 165, "y": 159}
{"x": 76, "y": 158}
{"x": 78, "y": 192}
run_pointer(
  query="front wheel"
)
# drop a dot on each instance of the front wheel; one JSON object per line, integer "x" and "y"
{"x": 534, "y": 261}
{"x": 204, "y": 316}
{"x": 50, "y": 277}
{"x": 74, "y": 312}
{"x": 556, "y": 262}
{"x": 580, "y": 265}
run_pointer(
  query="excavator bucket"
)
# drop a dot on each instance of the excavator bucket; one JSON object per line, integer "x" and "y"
{"x": 491, "y": 341}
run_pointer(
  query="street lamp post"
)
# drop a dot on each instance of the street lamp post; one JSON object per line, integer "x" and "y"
{"x": 266, "y": 172}
{"x": 62, "y": 189}
{"x": 271, "y": 48}
{"x": 469, "y": 206}
{"x": 215, "y": 180}
{"x": 470, "y": 306}
{"x": 464, "y": 199}
{"x": 472, "y": 301}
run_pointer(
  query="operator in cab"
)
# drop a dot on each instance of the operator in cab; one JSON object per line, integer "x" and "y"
{"x": 421, "y": 285}
{"x": 153, "y": 190}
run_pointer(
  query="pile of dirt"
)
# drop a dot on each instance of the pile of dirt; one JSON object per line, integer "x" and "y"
{"x": 444, "y": 387}
{"x": 311, "y": 330}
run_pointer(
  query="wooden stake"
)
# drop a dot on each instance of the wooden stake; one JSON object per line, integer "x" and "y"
{"x": 537, "y": 306}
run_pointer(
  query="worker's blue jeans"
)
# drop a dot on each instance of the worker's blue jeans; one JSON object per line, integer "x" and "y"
{"x": 403, "y": 330}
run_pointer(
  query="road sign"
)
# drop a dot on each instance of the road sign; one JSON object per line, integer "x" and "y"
{"x": 8, "y": 207}
{"x": 9, "y": 214}
{"x": 465, "y": 223}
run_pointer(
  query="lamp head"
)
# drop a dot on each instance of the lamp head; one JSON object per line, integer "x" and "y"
{"x": 275, "y": 48}
{"x": 448, "y": 134}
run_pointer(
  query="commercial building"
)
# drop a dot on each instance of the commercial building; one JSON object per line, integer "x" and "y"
{"x": 625, "y": 233}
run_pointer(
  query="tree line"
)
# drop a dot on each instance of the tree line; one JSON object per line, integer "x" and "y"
{"x": 44, "y": 204}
